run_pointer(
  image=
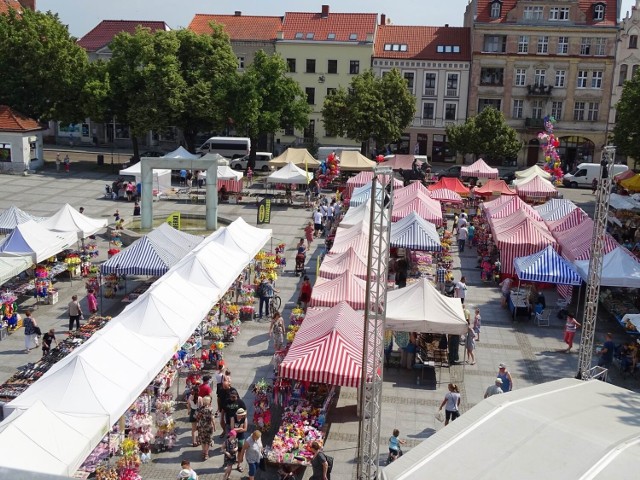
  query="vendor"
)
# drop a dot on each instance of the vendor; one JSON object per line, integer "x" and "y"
{"x": 223, "y": 196}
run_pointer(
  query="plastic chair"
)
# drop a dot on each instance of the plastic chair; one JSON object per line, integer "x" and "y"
{"x": 542, "y": 319}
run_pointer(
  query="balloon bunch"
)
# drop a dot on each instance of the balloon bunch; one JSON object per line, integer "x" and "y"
{"x": 549, "y": 144}
{"x": 329, "y": 169}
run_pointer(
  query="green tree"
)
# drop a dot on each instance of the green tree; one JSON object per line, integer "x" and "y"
{"x": 378, "y": 108}
{"x": 626, "y": 132}
{"x": 43, "y": 69}
{"x": 485, "y": 135}
{"x": 264, "y": 99}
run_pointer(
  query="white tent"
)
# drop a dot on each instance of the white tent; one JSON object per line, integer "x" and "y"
{"x": 565, "y": 429}
{"x": 290, "y": 173}
{"x": 33, "y": 240}
{"x": 13, "y": 216}
{"x": 12, "y": 266}
{"x": 161, "y": 177}
{"x": 181, "y": 153}
{"x": 21, "y": 440}
{"x": 68, "y": 219}
{"x": 619, "y": 269}
{"x": 419, "y": 307}
{"x": 533, "y": 171}
{"x": 528, "y": 178}
{"x": 358, "y": 215}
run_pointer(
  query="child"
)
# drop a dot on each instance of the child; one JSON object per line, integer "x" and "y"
{"x": 116, "y": 216}
{"x": 249, "y": 175}
{"x": 394, "y": 446}
{"x": 230, "y": 449}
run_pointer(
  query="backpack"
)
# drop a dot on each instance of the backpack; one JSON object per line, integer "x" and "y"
{"x": 262, "y": 289}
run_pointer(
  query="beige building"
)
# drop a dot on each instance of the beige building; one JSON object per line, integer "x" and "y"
{"x": 324, "y": 50}
{"x": 435, "y": 61}
{"x": 537, "y": 58}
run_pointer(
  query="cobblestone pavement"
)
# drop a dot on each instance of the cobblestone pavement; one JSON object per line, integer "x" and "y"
{"x": 531, "y": 352}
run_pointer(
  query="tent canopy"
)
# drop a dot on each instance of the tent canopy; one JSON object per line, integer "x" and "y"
{"x": 349, "y": 261}
{"x": 357, "y": 215}
{"x": 411, "y": 189}
{"x": 576, "y": 242}
{"x": 452, "y": 184}
{"x": 623, "y": 202}
{"x": 327, "y": 348}
{"x": 536, "y": 187}
{"x": 632, "y": 184}
{"x": 546, "y": 266}
{"x": 531, "y": 171}
{"x": 346, "y": 287}
{"x": 354, "y": 237}
{"x": 12, "y": 266}
{"x": 494, "y": 187}
{"x": 508, "y": 205}
{"x": 398, "y": 161}
{"x": 479, "y": 169}
{"x": 562, "y": 429}
{"x": 555, "y": 209}
{"x": 33, "y": 240}
{"x": 415, "y": 233}
{"x": 13, "y": 216}
{"x": 623, "y": 175}
{"x": 297, "y": 156}
{"x": 444, "y": 195}
{"x": 290, "y": 173}
{"x": 352, "y": 161}
{"x": 181, "y": 153}
{"x": 571, "y": 220}
{"x": 419, "y": 307}
{"x": 161, "y": 176}
{"x": 68, "y": 219}
{"x": 425, "y": 206}
{"x": 619, "y": 269}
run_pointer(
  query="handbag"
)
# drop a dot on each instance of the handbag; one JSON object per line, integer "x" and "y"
{"x": 439, "y": 416}
{"x": 263, "y": 464}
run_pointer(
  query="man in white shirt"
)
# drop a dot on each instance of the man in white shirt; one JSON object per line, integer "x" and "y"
{"x": 317, "y": 223}
{"x": 463, "y": 234}
{"x": 494, "y": 389}
{"x": 461, "y": 289}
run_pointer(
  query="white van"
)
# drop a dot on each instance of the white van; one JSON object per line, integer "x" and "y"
{"x": 584, "y": 174}
{"x": 228, "y": 147}
{"x": 323, "y": 152}
{"x": 262, "y": 162}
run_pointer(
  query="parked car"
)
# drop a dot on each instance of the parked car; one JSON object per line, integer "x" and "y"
{"x": 148, "y": 153}
{"x": 262, "y": 162}
{"x": 507, "y": 174}
{"x": 452, "y": 172}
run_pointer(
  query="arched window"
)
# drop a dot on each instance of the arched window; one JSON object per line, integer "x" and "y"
{"x": 496, "y": 9}
{"x": 598, "y": 11}
{"x": 634, "y": 69}
{"x": 623, "y": 73}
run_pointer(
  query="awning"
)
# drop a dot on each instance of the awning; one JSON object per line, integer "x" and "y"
{"x": 415, "y": 233}
{"x": 479, "y": 169}
{"x": 546, "y": 266}
{"x": 68, "y": 219}
{"x": 452, "y": 184}
{"x": 298, "y": 156}
{"x": 350, "y": 161}
{"x": 13, "y": 216}
{"x": 12, "y": 266}
{"x": 619, "y": 269}
{"x": 349, "y": 261}
{"x": 444, "y": 195}
{"x": 289, "y": 174}
{"x": 33, "y": 240}
{"x": 555, "y": 209}
{"x": 346, "y": 287}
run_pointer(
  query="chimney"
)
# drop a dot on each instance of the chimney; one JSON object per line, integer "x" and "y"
{"x": 446, "y": 25}
{"x": 237, "y": 13}
{"x": 325, "y": 11}
{"x": 30, "y": 4}
{"x": 383, "y": 19}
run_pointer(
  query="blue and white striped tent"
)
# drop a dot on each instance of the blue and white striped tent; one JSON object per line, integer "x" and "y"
{"x": 152, "y": 254}
{"x": 415, "y": 233}
{"x": 548, "y": 267}
{"x": 555, "y": 209}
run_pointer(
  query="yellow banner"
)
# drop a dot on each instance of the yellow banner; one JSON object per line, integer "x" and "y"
{"x": 174, "y": 220}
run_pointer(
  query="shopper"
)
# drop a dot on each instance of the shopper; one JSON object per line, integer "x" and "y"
{"x": 187, "y": 473}
{"x": 461, "y": 289}
{"x": 265, "y": 294}
{"x": 92, "y": 301}
{"x": 308, "y": 233}
{"x": 505, "y": 376}
{"x": 606, "y": 354}
{"x": 47, "y": 339}
{"x": 305, "y": 293}
{"x": 67, "y": 164}
{"x": 136, "y": 209}
{"x": 249, "y": 176}
{"x": 276, "y": 330}
{"x": 463, "y": 234}
{"x": 231, "y": 404}
{"x": 477, "y": 323}
{"x": 395, "y": 449}
{"x": 75, "y": 313}
{"x": 252, "y": 451}
{"x": 30, "y": 335}
{"x": 319, "y": 463}
{"x": 452, "y": 402}
{"x": 317, "y": 223}
{"x": 193, "y": 404}
{"x": 58, "y": 162}
{"x": 206, "y": 426}
{"x": 570, "y": 327}
{"x": 205, "y": 389}
{"x": 494, "y": 389}
{"x": 470, "y": 344}
{"x": 230, "y": 449}
{"x": 240, "y": 424}
{"x": 505, "y": 289}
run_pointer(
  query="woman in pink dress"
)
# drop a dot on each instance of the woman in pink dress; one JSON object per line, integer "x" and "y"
{"x": 92, "y": 301}
{"x": 308, "y": 232}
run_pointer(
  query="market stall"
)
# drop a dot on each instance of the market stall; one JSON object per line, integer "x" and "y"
{"x": 623, "y": 175}
{"x": 479, "y": 169}
{"x": 415, "y": 233}
{"x": 555, "y": 209}
{"x": 619, "y": 269}
{"x": 508, "y": 205}
{"x": 357, "y": 215}
{"x": 33, "y": 240}
{"x": 533, "y": 171}
{"x": 68, "y": 219}
{"x": 161, "y": 177}
{"x": 356, "y": 237}
{"x": 444, "y": 195}
{"x": 631, "y": 184}
{"x": 536, "y": 189}
{"x": 181, "y": 153}
{"x": 493, "y": 189}
{"x": 575, "y": 243}
{"x": 12, "y": 266}
{"x": 352, "y": 161}
{"x": 399, "y": 162}
{"x": 522, "y": 240}
{"x": 12, "y": 217}
{"x": 290, "y": 174}
{"x": 345, "y": 287}
{"x": 228, "y": 178}
{"x": 574, "y": 218}
{"x": 297, "y": 156}
{"x": 364, "y": 178}
{"x": 546, "y": 266}
{"x": 452, "y": 184}
{"x": 348, "y": 261}
{"x": 426, "y": 207}
{"x": 413, "y": 188}
{"x": 623, "y": 202}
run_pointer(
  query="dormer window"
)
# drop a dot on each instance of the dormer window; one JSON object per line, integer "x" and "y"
{"x": 299, "y": 35}
{"x": 353, "y": 36}
{"x": 598, "y": 12}
{"x": 310, "y": 36}
{"x": 496, "y": 9}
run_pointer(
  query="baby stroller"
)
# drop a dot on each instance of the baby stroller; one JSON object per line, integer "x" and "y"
{"x": 300, "y": 259}
{"x": 107, "y": 191}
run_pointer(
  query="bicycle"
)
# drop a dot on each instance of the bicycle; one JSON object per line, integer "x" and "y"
{"x": 275, "y": 303}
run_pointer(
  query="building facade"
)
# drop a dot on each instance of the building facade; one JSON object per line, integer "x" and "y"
{"x": 535, "y": 58}
{"x": 324, "y": 51}
{"x": 435, "y": 62}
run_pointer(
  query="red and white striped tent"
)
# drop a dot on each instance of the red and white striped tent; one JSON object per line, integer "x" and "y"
{"x": 555, "y": 209}
{"x": 452, "y": 184}
{"x": 350, "y": 261}
{"x": 411, "y": 189}
{"x": 426, "y": 207}
{"x": 575, "y": 243}
{"x": 327, "y": 348}
{"x": 479, "y": 169}
{"x": 361, "y": 179}
{"x": 505, "y": 206}
{"x": 444, "y": 195}
{"x": 493, "y": 188}
{"x": 537, "y": 188}
{"x": 346, "y": 287}
{"x": 571, "y": 220}
{"x": 355, "y": 237}
{"x": 499, "y": 225}
{"x": 520, "y": 241}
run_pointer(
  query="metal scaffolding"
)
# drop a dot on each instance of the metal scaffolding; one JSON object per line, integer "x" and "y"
{"x": 373, "y": 351}
{"x": 590, "y": 315}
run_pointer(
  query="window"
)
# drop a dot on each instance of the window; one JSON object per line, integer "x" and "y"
{"x": 633, "y": 41}
{"x": 563, "y": 45}
{"x": 489, "y": 102}
{"x": 539, "y": 77}
{"x": 452, "y": 84}
{"x": 331, "y": 91}
{"x": 623, "y": 74}
{"x": 311, "y": 65}
{"x": 523, "y": 44}
{"x": 592, "y": 113}
{"x": 496, "y": 9}
{"x": 332, "y": 66}
{"x": 240, "y": 63}
{"x": 543, "y": 44}
{"x": 353, "y": 36}
{"x": 448, "y": 49}
{"x": 556, "y": 110}
{"x": 581, "y": 81}
{"x": 536, "y": 108}
{"x": 533, "y": 13}
{"x": 559, "y": 13}
{"x": 310, "y": 36}
{"x": 450, "y": 111}
{"x": 518, "y": 107}
{"x": 428, "y": 111}
{"x": 598, "y": 12}
{"x": 600, "y": 46}
{"x": 291, "y": 65}
{"x": 395, "y": 47}
{"x": 299, "y": 35}
{"x": 495, "y": 44}
{"x": 596, "y": 79}
{"x": 634, "y": 69}
{"x": 310, "y": 132}
{"x": 561, "y": 76}
{"x": 289, "y": 131}
{"x": 578, "y": 111}
{"x": 354, "y": 67}
{"x": 311, "y": 95}
{"x": 410, "y": 77}
{"x": 520, "y": 77}
{"x": 585, "y": 46}
{"x": 331, "y": 36}
{"x": 430, "y": 84}
{"x": 491, "y": 76}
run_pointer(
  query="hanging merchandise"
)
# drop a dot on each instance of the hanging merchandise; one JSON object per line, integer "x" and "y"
{"x": 165, "y": 424}
{"x": 261, "y": 405}
{"x": 297, "y": 316}
{"x": 549, "y": 144}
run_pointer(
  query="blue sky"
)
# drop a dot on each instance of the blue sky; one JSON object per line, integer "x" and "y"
{"x": 83, "y": 15}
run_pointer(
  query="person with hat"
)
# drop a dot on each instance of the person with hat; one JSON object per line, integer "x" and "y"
{"x": 239, "y": 423}
{"x": 231, "y": 403}
{"x": 187, "y": 473}
{"x": 505, "y": 377}
{"x": 230, "y": 449}
{"x": 494, "y": 389}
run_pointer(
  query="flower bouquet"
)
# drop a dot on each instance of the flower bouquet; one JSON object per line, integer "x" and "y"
{"x": 297, "y": 316}
{"x": 216, "y": 333}
{"x": 291, "y": 334}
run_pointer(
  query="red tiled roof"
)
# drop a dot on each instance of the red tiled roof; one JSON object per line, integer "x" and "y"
{"x": 342, "y": 24}
{"x": 6, "y": 5}
{"x": 611, "y": 14}
{"x": 423, "y": 42}
{"x": 12, "y": 121}
{"x": 103, "y": 33}
{"x": 239, "y": 27}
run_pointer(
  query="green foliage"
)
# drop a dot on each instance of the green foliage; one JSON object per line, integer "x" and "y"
{"x": 485, "y": 135}
{"x": 626, "y": 132}
{"x": 378, "y": 108}
{"x": 43, "y": 69}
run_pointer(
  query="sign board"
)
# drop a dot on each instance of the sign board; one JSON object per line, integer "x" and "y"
{"x": 174, "y": 220}
{"x": 264, "y": 211}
